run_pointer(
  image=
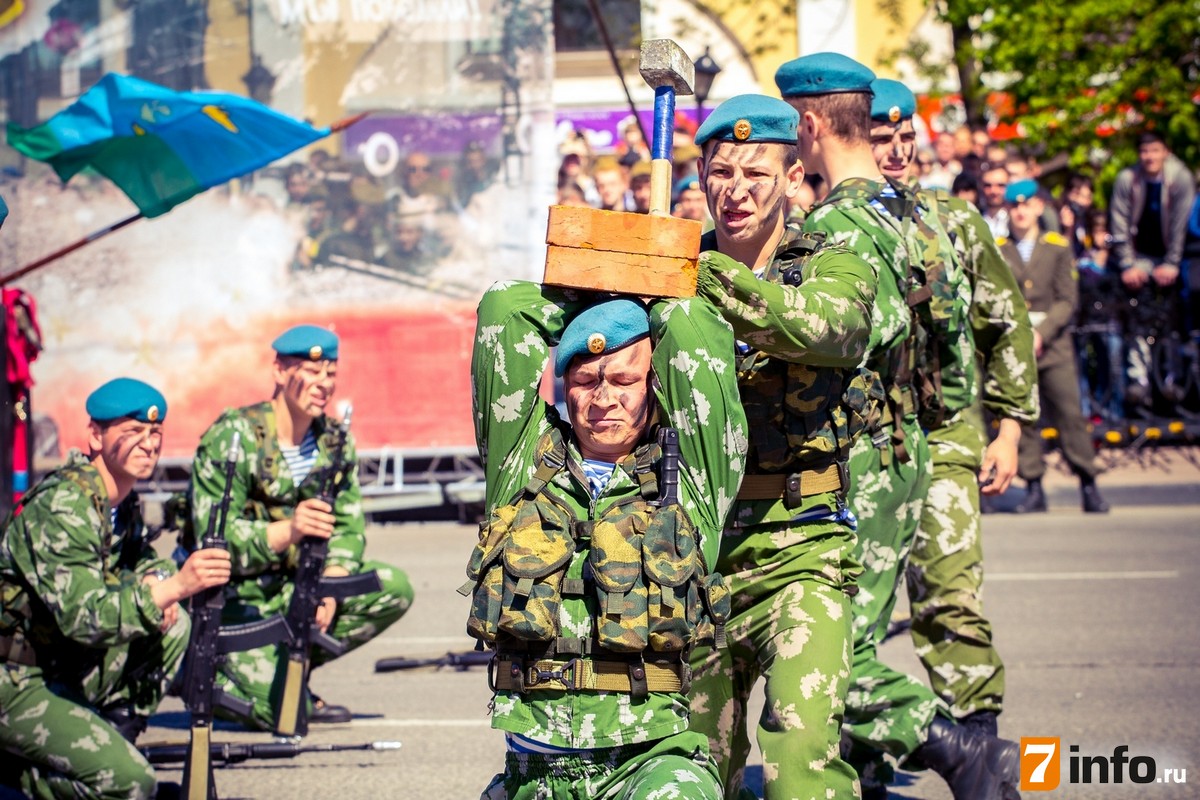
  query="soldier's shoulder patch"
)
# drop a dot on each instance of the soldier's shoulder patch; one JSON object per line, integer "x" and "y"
{"x": 1001, "y": 240}
{"x": 1056, "y": 239}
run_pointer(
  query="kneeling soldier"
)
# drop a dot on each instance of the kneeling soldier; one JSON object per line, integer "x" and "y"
{"x": 90, "y": 626}
{"x": 591, "y": 579}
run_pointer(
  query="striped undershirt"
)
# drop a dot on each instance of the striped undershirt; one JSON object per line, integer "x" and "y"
{"x": 300, "y": 460}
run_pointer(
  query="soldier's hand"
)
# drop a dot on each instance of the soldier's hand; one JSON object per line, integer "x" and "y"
{"x": 325, "y": 611}
{"x": 1000, "y": 459}
{"x": 1038, "y": 345}
{"x": 202, "y": 570}
{"x": 312, "y": 517}
{"x": 1133, "y": 278}
{"x": 170, "y": 617}
{"x": 1165, "y": 275}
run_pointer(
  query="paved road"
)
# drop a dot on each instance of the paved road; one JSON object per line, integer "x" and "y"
{"x": 1097, "y": 618}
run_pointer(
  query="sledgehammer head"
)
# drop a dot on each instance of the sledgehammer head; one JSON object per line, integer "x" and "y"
{"x": 663, "y": 63}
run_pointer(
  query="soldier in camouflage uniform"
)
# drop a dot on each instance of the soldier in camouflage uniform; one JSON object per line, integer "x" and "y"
{"x": 91, "y": 631}
{"x": 803, "y": 322}
{"x": 920, "y": 292}
{"x": 945, "y": 570}
{"x": 591, "y": 580}
{"x": 284, "y": 441}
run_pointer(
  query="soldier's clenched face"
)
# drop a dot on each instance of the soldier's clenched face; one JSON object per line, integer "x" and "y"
{"x": 747, "y": 186}
{"x": 307, "y": 386}
{"x": 893, "y": 147}
{"x": 129, "y": 448}
{"x": 608, "y": 400}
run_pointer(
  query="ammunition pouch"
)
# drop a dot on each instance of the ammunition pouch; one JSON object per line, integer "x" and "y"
{"x": 652, "y": 591}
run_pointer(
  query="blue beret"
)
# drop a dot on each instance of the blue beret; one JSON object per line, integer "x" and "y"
{"x": 893, "y": 101}
{"x": 307, "y": 341}
{"x": 822, "y": 73}
{"x": 1020, "y": 191}
{"x": 750, "y": 118}
{"x": 683, "y": 184}
{"x": 602, "y": 328}
{"x": 126, "y": 397}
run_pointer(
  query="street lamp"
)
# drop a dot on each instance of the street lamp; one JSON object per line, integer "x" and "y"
{"x": 706, "y": 71}
{"x": 259, "y": 81}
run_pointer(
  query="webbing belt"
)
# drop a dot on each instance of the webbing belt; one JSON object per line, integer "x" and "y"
{"x": 805, "y": 483}
{"x": 586, "y": 674}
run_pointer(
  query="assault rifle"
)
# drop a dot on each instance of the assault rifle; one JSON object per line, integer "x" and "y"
{"x": 311, "y": 587}
{"x": 460, "y": 662}
{"x": 230, "y": 753}
{"x": 207, "y": 646}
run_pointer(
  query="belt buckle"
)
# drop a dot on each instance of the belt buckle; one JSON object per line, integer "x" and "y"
{"x": 793, "y": 490}
{"x": 566, "y": 675}
{"x": 843, "y": 468}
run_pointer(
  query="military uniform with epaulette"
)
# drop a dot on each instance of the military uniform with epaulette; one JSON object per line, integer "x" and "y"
{"x": 1050, "y": 284}
{"x": 81, "y": 645}
{"x": 593, "y": 598}
{"x": 264, "y": 491}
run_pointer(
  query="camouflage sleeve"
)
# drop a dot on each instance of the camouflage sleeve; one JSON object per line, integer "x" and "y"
{"x": 517, "y": 324}
{"x": 1065, "y": 284}
{"x": 349, "y": 539}
{"x": 877, "y": 240}
{"x": 56, "y": 543}
{"x": 246, "y": 537}
{"x": 825, "y": 321}
{"x": 698, "y": 392}
{"x": 1000, "y": 322}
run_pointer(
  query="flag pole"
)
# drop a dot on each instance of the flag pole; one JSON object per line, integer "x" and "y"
{"x": 339, "y": 125}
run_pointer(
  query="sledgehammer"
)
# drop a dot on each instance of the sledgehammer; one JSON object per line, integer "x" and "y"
{"x": 668, "y": 69}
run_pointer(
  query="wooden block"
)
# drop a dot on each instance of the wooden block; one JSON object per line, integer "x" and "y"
{"x": 642, "y": 254}
{"x": 629, "y": 273}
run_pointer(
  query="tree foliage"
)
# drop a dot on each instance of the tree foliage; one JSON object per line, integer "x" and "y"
{"x": 1085, "y": 76}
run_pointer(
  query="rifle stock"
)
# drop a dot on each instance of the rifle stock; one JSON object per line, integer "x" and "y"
{"x": 311, "y": 587}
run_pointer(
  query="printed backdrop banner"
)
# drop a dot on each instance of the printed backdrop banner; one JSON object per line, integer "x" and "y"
{"x": 387, "y": 233}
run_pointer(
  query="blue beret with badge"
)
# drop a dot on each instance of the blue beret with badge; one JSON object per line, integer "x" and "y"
{"x": 126, "y": 397}
{"x": 822, "y": 73}
{"x": 684, "y": 184}
{"x": 750, "y": 118}
{"x": 603, "y": 328}
{"x": 1021, "y": 191}
{"x": 893, "y": 101}
{"x": 307, "y": 341}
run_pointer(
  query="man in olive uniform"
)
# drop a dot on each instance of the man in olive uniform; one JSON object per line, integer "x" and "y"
{"x": 803, "y": 322}
{"x": 286, "y": 446}
{"x": 592, "y": 578}
{"x": 915, "y": 268}
{"x": 1045, "y": 270}
{"x": 91, "y": 631}
{"x": 945, "y": 571}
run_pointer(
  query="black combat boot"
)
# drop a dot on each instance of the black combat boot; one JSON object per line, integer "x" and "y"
{"x": 328, "y": 714}
{"x": 1093, "y": 503}
{"x": 976, "y": 766}
{"x": 126, "y": 720}
{"x": 1035, "y": 499}
{"x": 981, "y": 722}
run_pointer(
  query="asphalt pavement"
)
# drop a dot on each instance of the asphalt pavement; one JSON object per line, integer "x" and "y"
{"x": 1096, "y": 617}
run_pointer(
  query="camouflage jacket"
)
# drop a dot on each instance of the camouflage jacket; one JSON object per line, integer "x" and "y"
{"x": 66, "y": 584}
{"x": 999, "y": 330}
{"x": 848, "y": 217}
{"x": 264, "y": 492}
{"x": 803, "y": 337}
{"x": 696, "y": 390}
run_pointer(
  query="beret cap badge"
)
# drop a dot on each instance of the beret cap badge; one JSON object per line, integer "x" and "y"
{"x": 742, "y": 130}
{"x": 152, "y": 414}
{"x": 894, "y": 113}
{"x": 314, "y": 352}
{"x": 596, "y": 343}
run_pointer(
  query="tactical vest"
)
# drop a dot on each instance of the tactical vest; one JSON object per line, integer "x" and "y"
{"x": 28, "y": 635}
{"x": 653, "y": 592}
{"x": 801, "y": 416}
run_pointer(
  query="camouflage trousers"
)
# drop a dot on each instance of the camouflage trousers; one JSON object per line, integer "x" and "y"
{"x": 677, "y": 767}
{"x": 64, "y": 748}
{"x": 945, "y": 576}
{"x": 257, "y": 675}
{"x": 790, "y": 626}
{"x": 886, "y": 710}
